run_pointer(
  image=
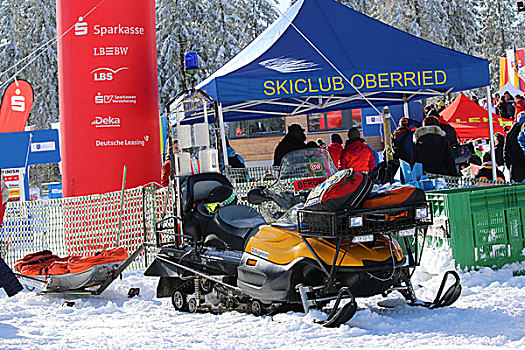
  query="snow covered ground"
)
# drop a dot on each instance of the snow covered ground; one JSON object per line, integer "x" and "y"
{"x": 489, "y": 314}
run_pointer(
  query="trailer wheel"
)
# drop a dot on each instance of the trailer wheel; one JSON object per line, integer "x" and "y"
{"x": 192, "y": 305}
{"x": 178, "y": 299}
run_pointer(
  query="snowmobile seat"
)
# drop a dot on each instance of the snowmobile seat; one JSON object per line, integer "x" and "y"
{"x": 197, "y": 188}
{"x": 232, "y": 225}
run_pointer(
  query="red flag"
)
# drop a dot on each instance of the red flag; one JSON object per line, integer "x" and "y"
{"x": 16, "y": 106}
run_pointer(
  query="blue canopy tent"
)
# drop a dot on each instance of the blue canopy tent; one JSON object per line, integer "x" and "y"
{"x": 321, "y": 56}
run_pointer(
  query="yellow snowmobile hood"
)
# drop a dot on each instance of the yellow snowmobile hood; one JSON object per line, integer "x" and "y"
{"x": 282, "y": 246}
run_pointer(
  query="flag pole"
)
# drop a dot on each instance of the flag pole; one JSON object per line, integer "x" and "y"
{"x": 491, "y": 131}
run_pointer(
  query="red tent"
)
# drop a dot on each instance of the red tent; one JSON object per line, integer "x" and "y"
{"x": 471, "y": 120}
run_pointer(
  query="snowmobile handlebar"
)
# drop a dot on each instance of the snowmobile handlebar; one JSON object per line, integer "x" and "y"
{"x": 284, "y": 200}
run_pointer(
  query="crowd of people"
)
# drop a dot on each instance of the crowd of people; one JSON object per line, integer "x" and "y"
{"x": 434, "y": 144}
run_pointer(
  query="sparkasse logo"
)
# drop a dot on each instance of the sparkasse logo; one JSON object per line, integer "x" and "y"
{"x": 18, "y": 102}
{"x": 81, "y": 27}
{"x": 106, "y": 122}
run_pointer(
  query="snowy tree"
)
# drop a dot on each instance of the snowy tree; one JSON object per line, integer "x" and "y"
{"x": 8, "y": 48}
{"x": 434, "y": 21}
{"x": 41, "y": 73}
{"x": 226, "y": 31}
{"x": 497, "y": 33}
{"x": 178, "y": 32}
{"x": 216, "y": 29}
{"x": 363, "y": 6}
{"x": 402, "y": 14}
{"x": 462, "y": 26}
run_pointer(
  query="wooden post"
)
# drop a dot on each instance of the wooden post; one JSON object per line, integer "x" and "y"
{"x": 121, "y": 204}
{"x": 388, "y": 134}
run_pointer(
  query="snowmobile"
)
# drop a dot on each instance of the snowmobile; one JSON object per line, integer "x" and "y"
{"x": 218, "y": 255}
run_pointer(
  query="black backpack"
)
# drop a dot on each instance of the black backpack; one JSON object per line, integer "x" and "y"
{"x": 384, "y": 172}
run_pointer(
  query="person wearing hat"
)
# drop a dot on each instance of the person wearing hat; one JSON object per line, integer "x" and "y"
{"x": 335, "y": 147}
{"x": 292, "y": 141}
{"x": 356, "y": 154}
{"x": 432, "y": 149}
{"x": 402, "y": 140}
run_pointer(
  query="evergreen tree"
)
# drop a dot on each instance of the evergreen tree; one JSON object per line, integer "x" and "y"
{"x": 462, "y": 26}
{"x": 363, "y": 6}
{"x": 497, "y": 33}
{"x": 402, "y": 14}
{"x": 8, "y": 48}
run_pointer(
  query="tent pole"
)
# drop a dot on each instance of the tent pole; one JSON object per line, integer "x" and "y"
{"x": 405, "y": 108}
{"x": 223, "y": 137}
{"x": 491, "y": 131}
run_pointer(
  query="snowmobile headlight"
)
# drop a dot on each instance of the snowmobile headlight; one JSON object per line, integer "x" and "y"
{"x": 421, "y": 213}
{"x": 356, "y": 221}
{"x": 363, "y": 238}
{"x": 406, "y": 233}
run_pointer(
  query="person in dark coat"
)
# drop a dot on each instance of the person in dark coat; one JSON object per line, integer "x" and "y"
{"x": 402, "y": 140}
{"x": 451, "y": 135}
{"x": 499, "y": 145}
{"x": 8, "y": 280}
{"x": 432, "y": 149}
{"x": 292, "y": 141}
{"x": 513, "y": 153}
{"x": 510, "y": 103}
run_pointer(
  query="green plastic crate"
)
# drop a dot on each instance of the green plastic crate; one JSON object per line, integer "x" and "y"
{"x": 487, "y": 224}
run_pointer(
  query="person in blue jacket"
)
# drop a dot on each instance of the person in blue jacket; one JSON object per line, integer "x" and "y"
{"x": 402, "y": 140}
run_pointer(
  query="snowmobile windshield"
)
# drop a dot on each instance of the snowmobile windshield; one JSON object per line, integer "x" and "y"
{"x": 301, "y": 171}
{"x": 308, "y": 163}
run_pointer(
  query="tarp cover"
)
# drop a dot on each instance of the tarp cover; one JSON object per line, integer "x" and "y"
{"x": 308, "y": 59}
{"x": 511, "y": 89}
{"x": 471, "y": 120}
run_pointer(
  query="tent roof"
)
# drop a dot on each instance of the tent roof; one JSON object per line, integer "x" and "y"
{"x": 471, "y": 120}
{"x": 308, "y": 59}
{"x": 510, "y": 88}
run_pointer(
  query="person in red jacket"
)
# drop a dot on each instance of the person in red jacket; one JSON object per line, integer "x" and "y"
{"x": 165, "y": 171}
{"x": 356, "y": 154}
{"x": 335, "y": 147}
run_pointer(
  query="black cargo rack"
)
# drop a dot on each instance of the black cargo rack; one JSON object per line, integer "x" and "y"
{"x": 348, "y": 224}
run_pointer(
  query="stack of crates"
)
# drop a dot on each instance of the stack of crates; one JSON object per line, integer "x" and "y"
{"x": 486, "y": 224}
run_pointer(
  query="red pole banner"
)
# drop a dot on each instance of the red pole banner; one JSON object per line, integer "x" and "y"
{"x": 107, "y": 75}
{"x": 16, "y": 106}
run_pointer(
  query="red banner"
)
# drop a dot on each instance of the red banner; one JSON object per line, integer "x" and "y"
{"x": 107, "y": 64}
{"x": 16, "y": 106}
